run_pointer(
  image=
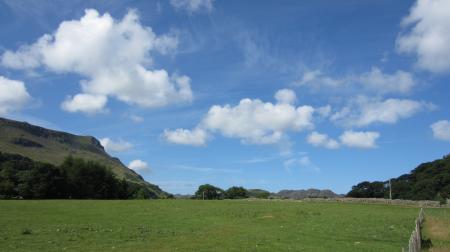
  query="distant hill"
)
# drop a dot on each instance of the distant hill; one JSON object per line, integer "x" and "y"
{"x": 302, "y": 194}
{"x": 429, "y": 181}
{"x": 258, "y": 193}
{"x": 53, "y": 147}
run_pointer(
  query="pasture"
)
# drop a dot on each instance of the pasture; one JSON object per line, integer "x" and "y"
{"x": 192, "y": 225}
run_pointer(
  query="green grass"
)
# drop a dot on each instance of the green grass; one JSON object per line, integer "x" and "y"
{"x": 189, "y": 225}
{"x": 436, "y": 228}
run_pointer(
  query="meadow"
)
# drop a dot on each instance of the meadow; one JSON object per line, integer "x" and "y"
{"x": 436, "y": 230}
{"x": 194, "y": 225}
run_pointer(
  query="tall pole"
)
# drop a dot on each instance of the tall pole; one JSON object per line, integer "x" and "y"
{"x": 203, "y": 195}
{"x": 390, "y": 190}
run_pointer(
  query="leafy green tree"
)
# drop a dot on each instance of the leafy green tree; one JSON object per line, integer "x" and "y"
{"x": 423, "y": 183}
{"x": 209, "y": 192}
{"x": 21, "y": 177}
{"x": 368, "y": 189}
{"x": 236, "y": 192}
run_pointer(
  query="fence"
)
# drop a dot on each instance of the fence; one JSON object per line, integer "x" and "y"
{"x": 420, "y": 203}
{"x": 415, "y": 241}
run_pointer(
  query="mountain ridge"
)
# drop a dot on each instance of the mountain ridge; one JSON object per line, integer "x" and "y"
{"x": 52, "y": 146}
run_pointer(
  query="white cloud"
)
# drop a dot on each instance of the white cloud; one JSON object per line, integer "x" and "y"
{"x": 372, "y": 81}
{"x": 362, "y": 139}
{"x": 286, "y": 96}
{"x": 303, "y": 162}
{"x": 322, "y": 140}
{"x": 427, "y": 35}
{"x": 192, "y": 6}
{"x": 115, "y": 146}
{"x": 253, "y": 121}
{"x": 196, "y": 137}
{"x": 138, "y": 165}
{"x": 324, "y": 111}
{"x": 136, "y": 118}
{"x": 441, "y": 130}
{"x": 113, "y": 55}
{"x": 256, "y": 122}
{"x": 86, "y": 103}
{"x": 363, "y": 111}
{"x": 13, "y": 95}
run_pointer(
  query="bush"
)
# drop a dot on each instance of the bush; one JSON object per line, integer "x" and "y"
{"x": 209, "y": 192}
{"x": 236, "y": 192}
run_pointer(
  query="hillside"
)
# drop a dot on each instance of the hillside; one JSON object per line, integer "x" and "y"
{"x": 53, "y": 147}
{"x": 302, "y": 194}
{"x": 428, "y": 181}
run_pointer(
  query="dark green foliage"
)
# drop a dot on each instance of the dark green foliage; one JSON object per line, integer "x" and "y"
{"x": 369, "y": 190}
{"x": 258, "y": 193}
{"x": 236, "y": 192}
{"x": 429, "y": 181}
{"x": 209, "y": 192}
{"x": 22, "y": 177}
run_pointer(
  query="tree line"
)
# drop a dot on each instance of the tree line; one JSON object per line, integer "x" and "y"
{"x": 429, "y": 181}
{"x": 210, "y": 192}
{"x": 75, "y": 178}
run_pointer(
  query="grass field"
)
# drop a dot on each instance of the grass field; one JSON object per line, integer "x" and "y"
{"x": 436, "y": 228}
{"x": 189, "y": 225}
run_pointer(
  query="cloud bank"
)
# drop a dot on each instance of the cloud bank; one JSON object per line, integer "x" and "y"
{"x": 427, "y": 35}
{"x": 113, "y": 55}
{"x": 251, "y": 121}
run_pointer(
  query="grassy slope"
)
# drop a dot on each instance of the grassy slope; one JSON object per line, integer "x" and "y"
{"x": 437, "y": 229}
{"x": 189, "y": 225}
{"x": 58, "y": 145}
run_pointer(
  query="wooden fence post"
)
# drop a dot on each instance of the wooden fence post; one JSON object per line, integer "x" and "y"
{"x": 415, "y": 240}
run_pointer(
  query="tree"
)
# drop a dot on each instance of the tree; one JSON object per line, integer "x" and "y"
{"x": 368, "y": 189}
{"x": 236, "y": 192}
{"x": 21, "y": 177}
{"x": 209, "y": 192}
{"x": 425, "y": 182}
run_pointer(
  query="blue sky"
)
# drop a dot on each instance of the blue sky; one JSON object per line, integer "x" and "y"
{"x": 260, "y": 94}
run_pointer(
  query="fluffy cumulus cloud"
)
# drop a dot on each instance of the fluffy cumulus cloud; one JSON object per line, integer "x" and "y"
{"x": 441, "y": 130}
{"x": 286, "y": 96}
{"x": 362, "y": 139}
{"x": 114, "y": 57}
{"x": 86, "y": 103}
{"x": 138, "y": 165}
{"x": 363, "y": 111}
{"x": 255, "y": 121}
{"x": 115, "y": 146}
{"x": 374, "y": 81}
{"x": 351, "y": 139}
{"x": 13, "y": 95}
{"x": 427, "y": 35}
{"x": 192, "y": 6}
{"x": 196, "y": 137}
{"x": 322, "y": 140}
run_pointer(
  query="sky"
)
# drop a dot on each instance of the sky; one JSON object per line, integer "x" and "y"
{"x": 261, "y": 94}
